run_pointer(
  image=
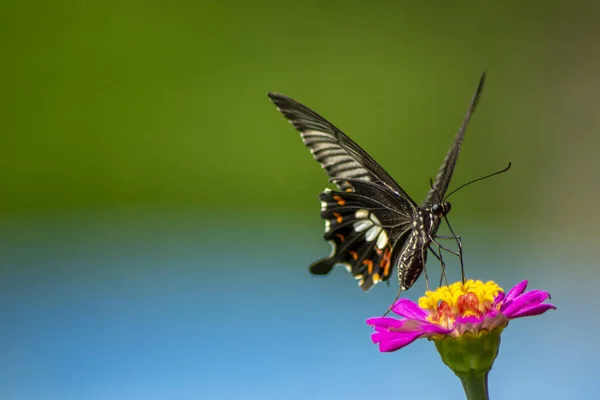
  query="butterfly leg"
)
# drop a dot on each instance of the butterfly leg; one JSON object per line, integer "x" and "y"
{"x": 440, "y": 246}
{"x": 440, "y": 258}
{"x": 426, "y": 279}
{"x": 460, "y": 250}
{"x": 458, "y": 240}
{"x": 424, "y": 253}
{"x": 393, "y": 302}
{"x": 459, "y": 254}
{"x": 400, "y": 287}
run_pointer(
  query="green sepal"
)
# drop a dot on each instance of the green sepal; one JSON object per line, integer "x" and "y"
{"x": 471, "y": 356}
{"x": 470, "y": 352}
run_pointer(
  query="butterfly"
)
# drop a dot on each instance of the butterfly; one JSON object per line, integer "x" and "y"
{"x": 370, "y": 221}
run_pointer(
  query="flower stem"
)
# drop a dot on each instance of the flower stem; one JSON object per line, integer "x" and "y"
{"x": 475, "y": 384}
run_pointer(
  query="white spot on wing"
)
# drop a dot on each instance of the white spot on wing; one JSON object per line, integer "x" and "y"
{"x": 327, "y": 226}
{"x": 375, "y": 219}
{"x": 332, "y": 243}
{"x": 323, "y": 206}
{"x": 372, "y": 233}
{"x": 363, "y": 225}
{"x": 335, "y": 160}
{"x": 361, "y": 214}
{"x": 316, "y": 133}
{"x": 382, "y": 240}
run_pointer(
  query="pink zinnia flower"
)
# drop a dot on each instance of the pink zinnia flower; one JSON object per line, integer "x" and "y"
{"x": 465, "y": 321}
{"x": 454, "y": 310}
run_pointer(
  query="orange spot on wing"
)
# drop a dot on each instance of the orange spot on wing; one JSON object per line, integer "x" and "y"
{"x": 369, "y": 264}
{"x": 353, "y": 254}
{"x": 376, "y": 278}
{"x": 340, "y": 236}
{"x": 385, "y": 262}
{"x": 339, "y": 200}
{"x": 338, "y": 217}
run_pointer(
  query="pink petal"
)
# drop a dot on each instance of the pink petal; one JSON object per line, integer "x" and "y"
{"x": 400, "y": 341}
{"x": 471, "y": 319}
{"x": 378, "y": 337}
{"x": 430, "y": 329}
{"x": 525, "y": 300}
{"x": 492, "y": 314}
{"x": 386, "y": 322}
{"x": 516, "y": 291}
{"x": 534, "y": 293}
{"x": 499, "y": 297}
{"x": 392, "y": 325}
{"x": 533, "y": 310}
{"x": 409, "y": 309}
{"x": 383, "y": 324}
{"x": 488, "y": 322}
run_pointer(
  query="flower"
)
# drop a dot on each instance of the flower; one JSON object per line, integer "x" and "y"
{"x": 465, "y": 321}
{"x": 472, "y": 308}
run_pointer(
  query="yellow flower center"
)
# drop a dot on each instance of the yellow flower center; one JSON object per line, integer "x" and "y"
{"x": 447, "y": 303}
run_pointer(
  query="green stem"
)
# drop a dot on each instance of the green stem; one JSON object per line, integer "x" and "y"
{"x": 475, "y": 384}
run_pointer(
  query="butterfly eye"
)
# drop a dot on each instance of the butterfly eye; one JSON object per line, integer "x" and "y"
{"x": 447, "y": 208}
{"x": 441, "y": 209}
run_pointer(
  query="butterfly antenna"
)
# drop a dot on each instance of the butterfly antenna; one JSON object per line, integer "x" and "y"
{"x": 435, "y": 190}
{"x": 479, "y": 179}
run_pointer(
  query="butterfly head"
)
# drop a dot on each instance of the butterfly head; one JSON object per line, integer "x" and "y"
{"x": 441, "y": 209}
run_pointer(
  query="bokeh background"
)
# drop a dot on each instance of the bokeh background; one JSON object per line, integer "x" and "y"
{"x": 157, "y": 215}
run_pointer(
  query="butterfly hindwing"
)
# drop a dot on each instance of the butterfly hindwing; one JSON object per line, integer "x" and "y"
{"x": 360, "y": 240}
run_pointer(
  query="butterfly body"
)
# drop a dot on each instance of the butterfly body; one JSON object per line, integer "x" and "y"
{"x": 371, "y": 222}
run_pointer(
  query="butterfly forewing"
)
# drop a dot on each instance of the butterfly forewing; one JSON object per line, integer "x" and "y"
{"x": 338, "y": 155}
{"x": 442, "y": 180}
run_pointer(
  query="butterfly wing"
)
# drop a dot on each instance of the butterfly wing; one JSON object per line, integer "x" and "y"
{"x": 338, "y": 155}
{"x": 364, "y": 227}
{"x": 442, "y": 180}
{"x": 370, "y": 217}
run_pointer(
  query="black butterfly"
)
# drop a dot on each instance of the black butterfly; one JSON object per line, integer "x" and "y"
{"x": 371, "y": 223}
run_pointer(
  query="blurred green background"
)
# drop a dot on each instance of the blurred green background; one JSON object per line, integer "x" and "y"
{"x": 141, "y": 164}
